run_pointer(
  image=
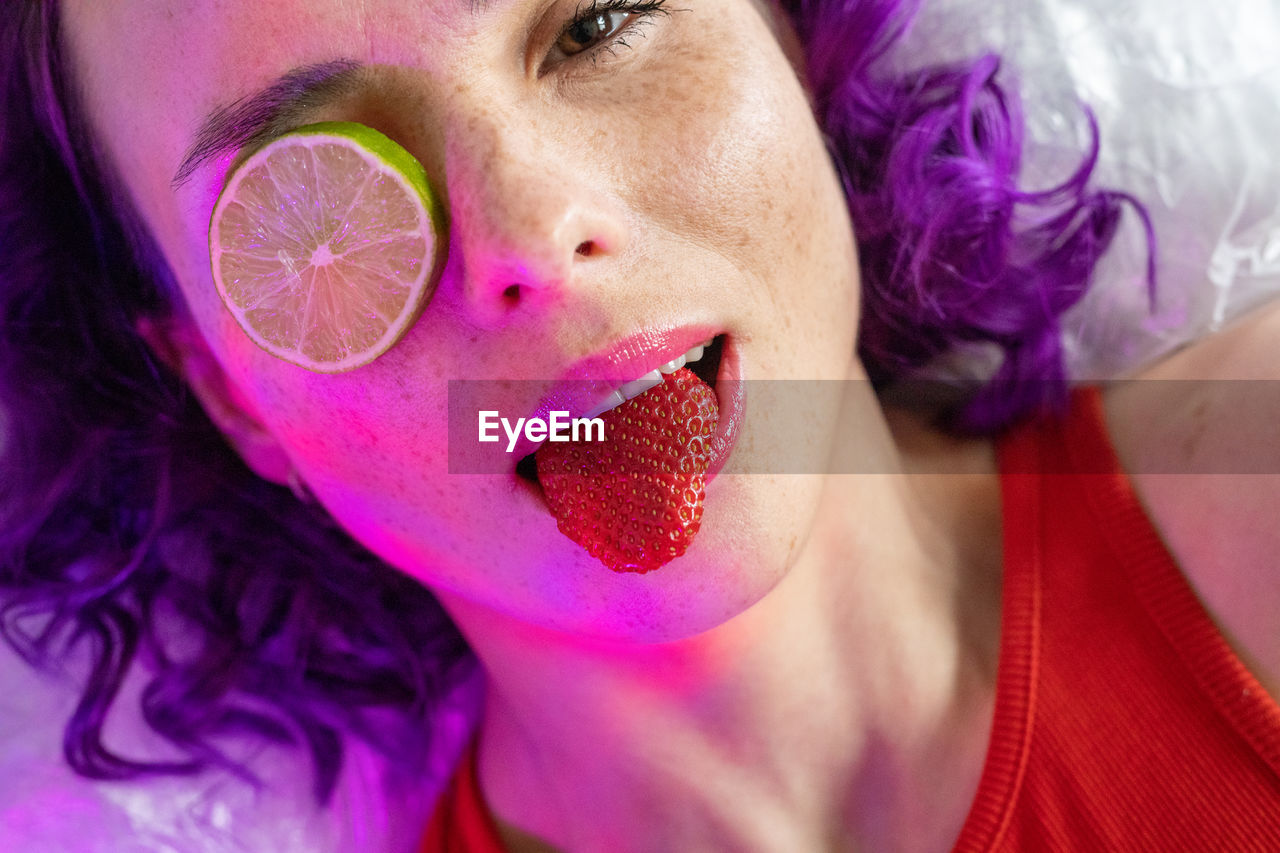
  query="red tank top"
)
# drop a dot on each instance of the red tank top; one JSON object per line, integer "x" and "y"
{"x": 1123, "y": 720}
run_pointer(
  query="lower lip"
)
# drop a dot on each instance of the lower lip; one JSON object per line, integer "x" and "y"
{"x": 730, "y": 393}
{"x": 730, "y": 399}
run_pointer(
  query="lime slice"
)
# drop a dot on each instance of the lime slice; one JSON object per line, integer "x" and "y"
{"x": 325, "y": 243}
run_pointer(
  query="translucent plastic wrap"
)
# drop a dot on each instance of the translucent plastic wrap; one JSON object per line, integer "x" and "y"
{"x": 46, "y": 808}
{"x": 1187, "y": 97}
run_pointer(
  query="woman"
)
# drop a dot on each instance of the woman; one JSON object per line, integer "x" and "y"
{"x": 819, "y": 671}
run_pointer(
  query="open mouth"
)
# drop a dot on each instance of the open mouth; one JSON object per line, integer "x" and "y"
{"x": 707, "y": 368}
{"x": 702, "y": 360}
{"x": 633, "y": 499}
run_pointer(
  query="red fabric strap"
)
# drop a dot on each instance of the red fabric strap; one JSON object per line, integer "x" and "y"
{"x": 1123, "y": 719}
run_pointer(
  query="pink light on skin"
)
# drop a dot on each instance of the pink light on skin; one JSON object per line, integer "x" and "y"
{"x": 585, "y": 382}
{"x": 713, "y": 204}
{"x": 205, "y": 189}
{"x": 685, "y": 668}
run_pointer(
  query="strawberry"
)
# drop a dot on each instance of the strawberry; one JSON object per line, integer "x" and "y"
{"x": 634, "y": 500}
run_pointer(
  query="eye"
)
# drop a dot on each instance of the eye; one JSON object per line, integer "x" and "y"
{"x": 603, "y": 21}
{"x": 583, "y": 32}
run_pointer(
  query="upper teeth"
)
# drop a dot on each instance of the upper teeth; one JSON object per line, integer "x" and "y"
{"x": 636, "y": 387}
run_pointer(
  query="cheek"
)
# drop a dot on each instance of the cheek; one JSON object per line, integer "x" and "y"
{"x": 373, "y": 446}
{"x": 734, "y": 163}
{"x": 714, "y": 154}
{"x": 375, "y": 454}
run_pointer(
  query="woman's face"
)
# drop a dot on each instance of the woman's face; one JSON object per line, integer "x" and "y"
{"x": 667, "y": 177}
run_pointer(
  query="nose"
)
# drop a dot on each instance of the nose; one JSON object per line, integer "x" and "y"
{"x": 529, "y": 216}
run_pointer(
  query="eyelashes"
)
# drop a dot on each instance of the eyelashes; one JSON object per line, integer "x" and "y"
{"x": 601, "y": 26}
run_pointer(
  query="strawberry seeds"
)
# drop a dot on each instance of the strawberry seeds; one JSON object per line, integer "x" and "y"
{"x": 634, "y": 501}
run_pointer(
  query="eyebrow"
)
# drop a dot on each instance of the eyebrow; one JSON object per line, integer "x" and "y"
{"x": 269, "y": 112}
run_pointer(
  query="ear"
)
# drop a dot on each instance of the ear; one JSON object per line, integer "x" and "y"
{"x": 179, "y": 344}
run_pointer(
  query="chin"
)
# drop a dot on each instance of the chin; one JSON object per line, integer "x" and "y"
{"x": 733, "y": 565}
{"x": 677, "y": 608}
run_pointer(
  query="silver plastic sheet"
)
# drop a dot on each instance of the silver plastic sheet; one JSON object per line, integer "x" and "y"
{"x": 1187, "y": 97}
{"x": 46, "y": 808}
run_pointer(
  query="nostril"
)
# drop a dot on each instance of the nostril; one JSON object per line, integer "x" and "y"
{"x": 586, "y": 248}
{"x": 512, "y": 293}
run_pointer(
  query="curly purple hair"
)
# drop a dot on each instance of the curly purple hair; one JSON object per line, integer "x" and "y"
{"x": 127, "y": 521}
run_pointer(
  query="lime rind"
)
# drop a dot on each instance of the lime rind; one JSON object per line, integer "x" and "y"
{"x": 271, "y": 258}
{"x": 390, "y": 153}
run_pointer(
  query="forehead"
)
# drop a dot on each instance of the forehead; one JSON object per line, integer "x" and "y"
{"x": 196, "y": 29}
{"x": 150, "y": 73}
{"x": 201, "y": 50}
{"x": 148, "y": 52}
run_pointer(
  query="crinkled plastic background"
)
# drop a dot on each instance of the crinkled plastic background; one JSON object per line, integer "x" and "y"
{"x": 1187, "y": 97}
{"x": 46, "y": 808}
{"x": 1187, "y": 94}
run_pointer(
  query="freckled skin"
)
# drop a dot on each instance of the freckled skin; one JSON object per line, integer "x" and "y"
{"x": 690, "y": 164}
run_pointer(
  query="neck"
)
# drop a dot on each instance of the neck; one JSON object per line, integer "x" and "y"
{"x": 849, "y": 708}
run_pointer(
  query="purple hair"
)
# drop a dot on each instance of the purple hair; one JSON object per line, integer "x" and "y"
{"x": 129, "y": 529}
{"x": 126, "y": 521}
{"x": 953, "y": 254}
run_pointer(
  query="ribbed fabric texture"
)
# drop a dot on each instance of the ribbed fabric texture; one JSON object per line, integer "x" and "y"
{"x": 1123, "y": 720}
{"x": 462, "y": 822}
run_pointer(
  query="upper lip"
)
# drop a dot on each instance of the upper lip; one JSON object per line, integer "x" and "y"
{"x": 588, "y": 381}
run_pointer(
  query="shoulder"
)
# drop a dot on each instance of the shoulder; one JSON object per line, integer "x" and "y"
{"x": 1199, "y": 435}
